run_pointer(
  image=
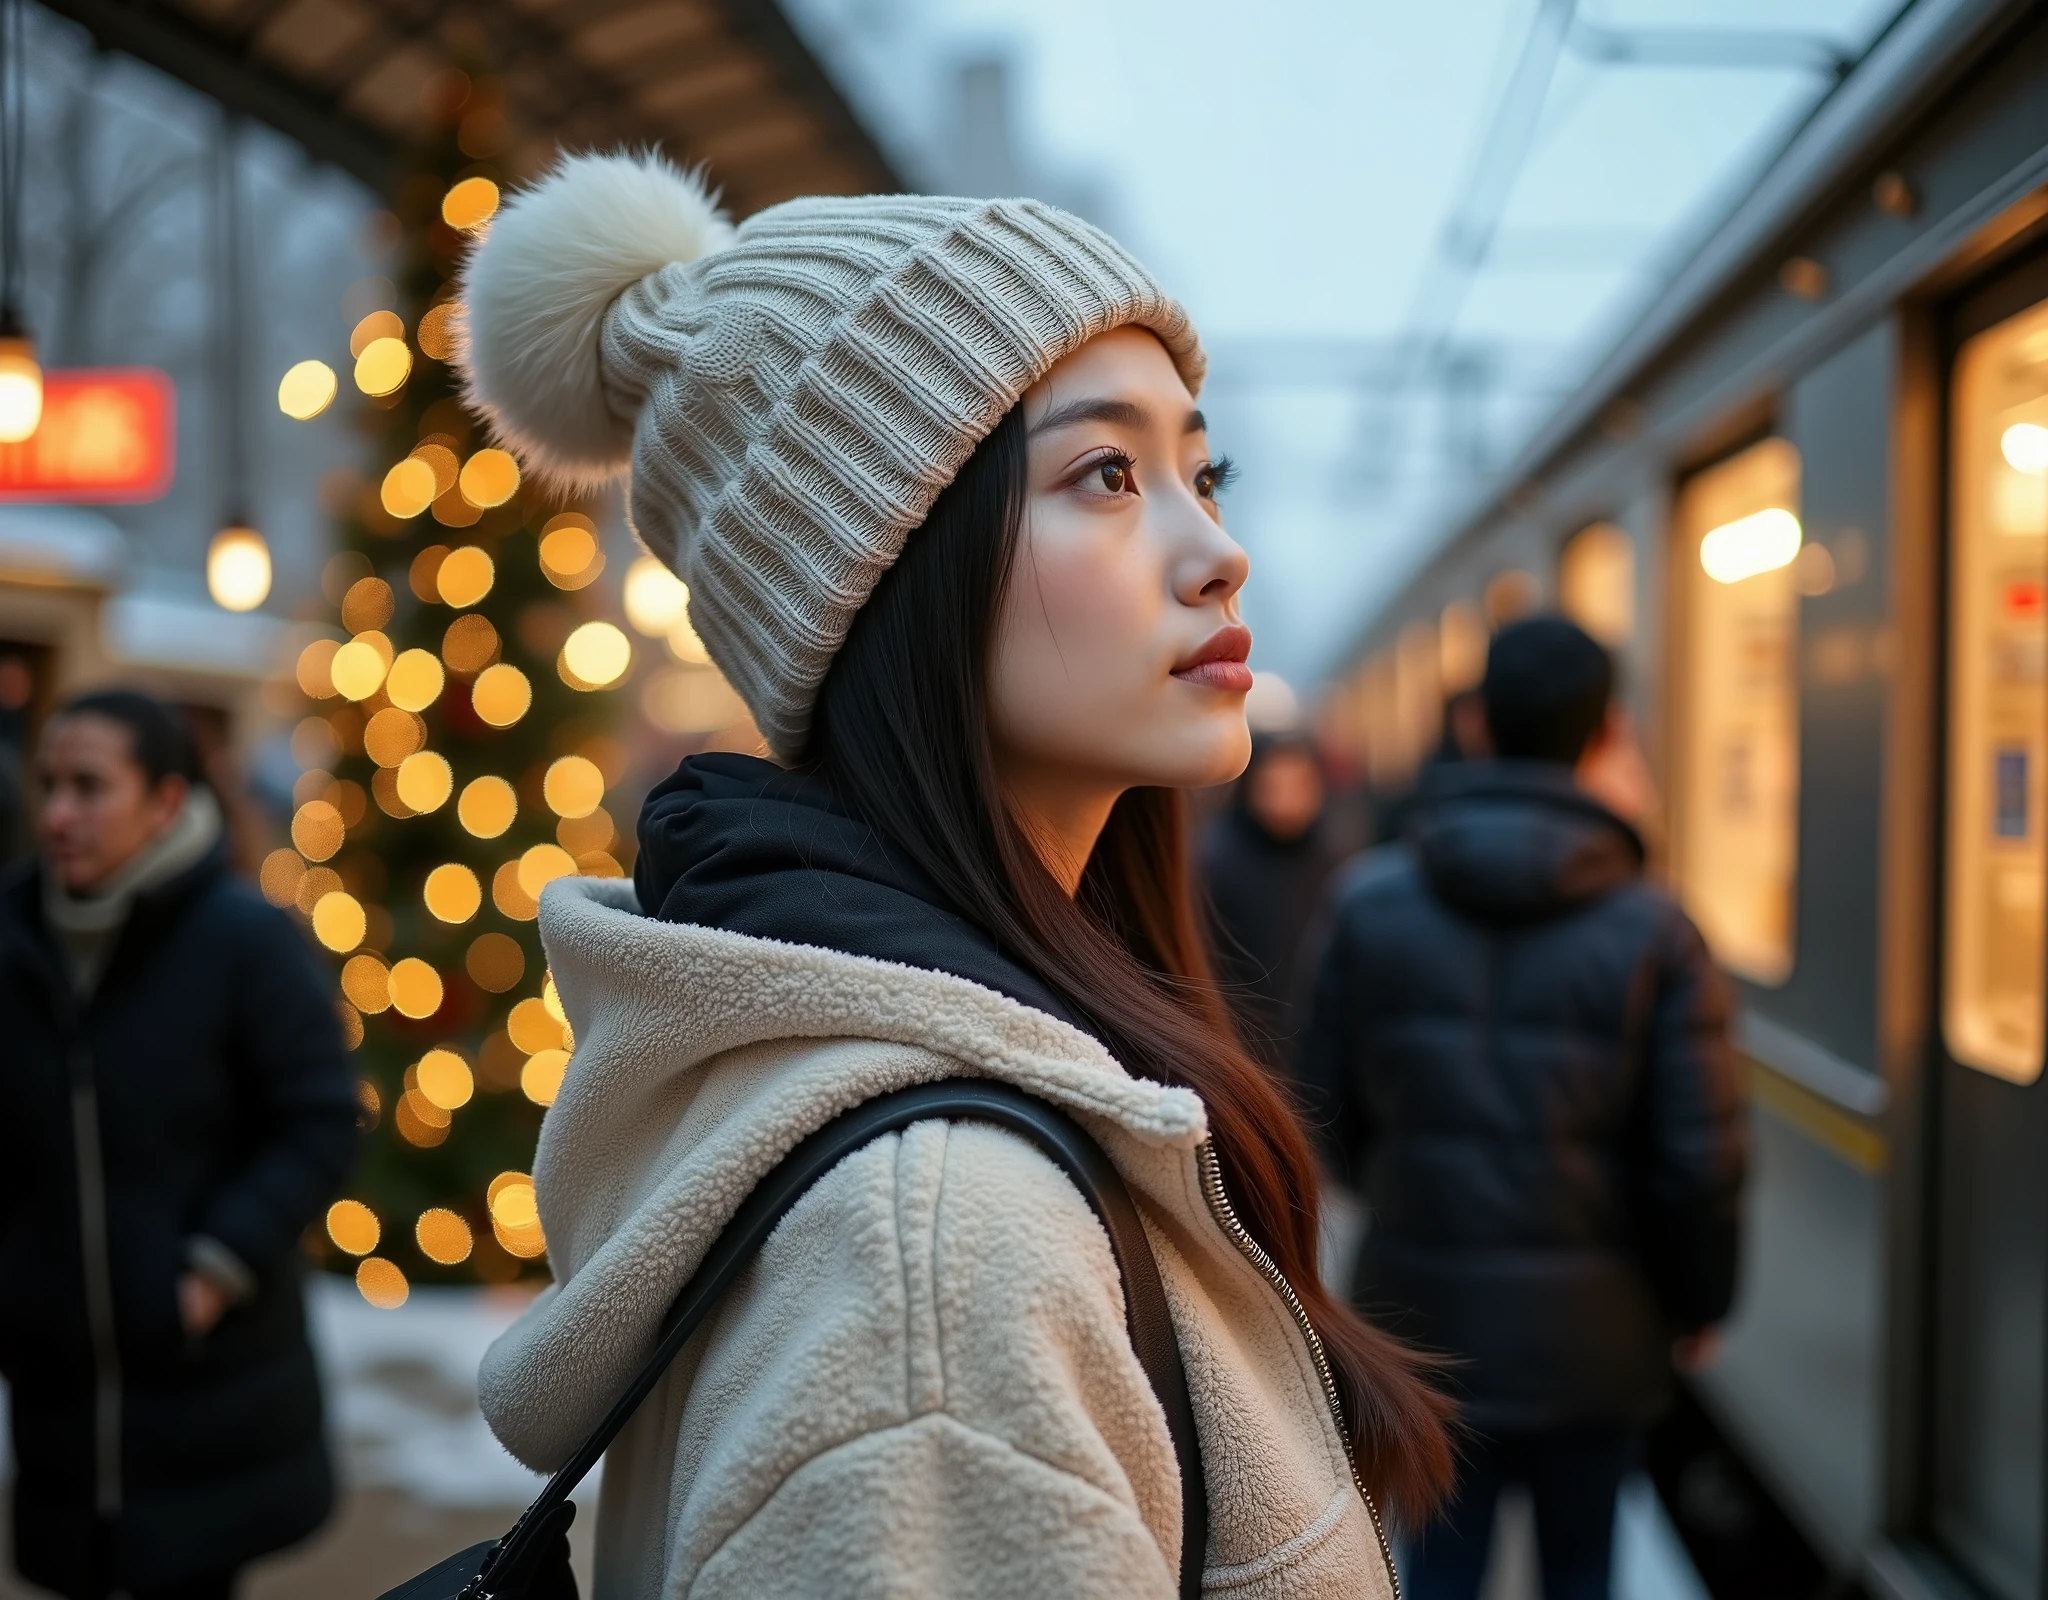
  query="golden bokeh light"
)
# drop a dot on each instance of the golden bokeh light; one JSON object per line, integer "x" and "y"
{"x": 386, "y": 651}
{"x": 465, "y": 576}
{"x": 551, "y": 997}
{"x": 314, "y": 672}
{"x": 391, "y": 735}
{"x": 444, "y": 1079}
{"x": 368, "y": 604}
{"x": 569, "y": 557}
{"x": 533, "y": 1027}
{"x": 526, "y": 1243}
{"x": 489, "y": 478}
{"x": 501, "y": 694}
{"x": 656, "y": 599}
{"x": 353, "y": 1227}
{"x": 512, "y": 1200}
{"x": 423, "y": 575}
{"x": 599, "y": 864}
{"x": 408, "y": 488}
{"x": 581, "y": 835}
{"x": 441, "y": 460}
{"x": 383, "y": 367}
{"x": 415, "y": 680}
{"x": 367, "y": 983}
{"x": 495, "y": 962}
{"x": 348, "y": 798}
{"x": 540, "y": 1080}
{"x": 541, "y": 865}
{"x": 595, "y": 656}
{"x": 420, "y": 1122}
{"x": 415, "y": 988}
{"x": 279, "y": 876}
{"x": 384, "y": 785}
{"x": 425, "y": 780}
{"x": 318, "y": 881}
{"x": 509, "y": 898}
{"x": 440, "y": 330}
{"x": 453, "y": 893}
{"x": 382, "y": 1283}
{"x": 487, "y": 807}
{"x": 357, "y": 669}
{"x": 469, "y": 204}
{"x": 470, "y": 644}
{"x": 443, "y": 1236}
{"x": 338, "y": 921}
{"x": 306, "y": 389}
{"x": 573, "y": 787}
{"x": 377, "y": 325}
{"x": 351, "y": 1029}
{"x": 317, "y": 829}
{"x": 452, "y": 511}
{"x": 368, "y": 1100}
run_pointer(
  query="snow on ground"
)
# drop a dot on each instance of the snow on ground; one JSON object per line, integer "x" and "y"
{"x": 401, "y": 1388}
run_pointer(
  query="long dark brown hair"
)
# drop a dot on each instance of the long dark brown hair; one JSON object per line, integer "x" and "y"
{"x": 902, "y": 733}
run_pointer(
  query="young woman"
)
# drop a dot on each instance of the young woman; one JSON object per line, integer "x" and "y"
{"x": 935, "y": 475}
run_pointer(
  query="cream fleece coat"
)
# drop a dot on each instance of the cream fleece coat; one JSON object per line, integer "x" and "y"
{"x": 923, "y": 1386}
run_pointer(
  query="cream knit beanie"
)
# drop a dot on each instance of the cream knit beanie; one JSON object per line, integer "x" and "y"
{"x": 790, "y": 395}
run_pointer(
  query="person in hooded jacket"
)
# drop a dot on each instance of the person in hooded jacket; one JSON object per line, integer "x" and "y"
{"x": 933, "y": 472}
{"x": 1519, "y": 1052}
{"x": 1267, "y": 860}
{"x": 179, "y": 1108}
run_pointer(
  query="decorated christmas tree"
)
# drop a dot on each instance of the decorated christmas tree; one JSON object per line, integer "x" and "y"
{"x": 457, "y": 755}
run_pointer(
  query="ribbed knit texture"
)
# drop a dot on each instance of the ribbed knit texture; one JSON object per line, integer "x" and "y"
{"x": 800, "y": 396}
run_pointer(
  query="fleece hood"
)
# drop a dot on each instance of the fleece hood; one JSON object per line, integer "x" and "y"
{"x": 1519, "y": 841}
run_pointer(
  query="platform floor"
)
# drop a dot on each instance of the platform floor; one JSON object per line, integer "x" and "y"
{"x": 425, "y": 1477}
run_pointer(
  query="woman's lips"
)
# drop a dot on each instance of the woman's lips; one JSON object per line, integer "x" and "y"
{"x": 1220, "y": 662}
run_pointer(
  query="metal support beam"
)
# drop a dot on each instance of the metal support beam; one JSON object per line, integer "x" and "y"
{"x": 169, "y": 42}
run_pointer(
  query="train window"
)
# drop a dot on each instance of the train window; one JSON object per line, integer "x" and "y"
{"x": 1596, "y": 583}
{"x": 1997, "y": 877}
{"x": 1738, "y": 769}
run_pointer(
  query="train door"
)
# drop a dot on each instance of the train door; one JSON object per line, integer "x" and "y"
{"x": 1991, "y": 1105}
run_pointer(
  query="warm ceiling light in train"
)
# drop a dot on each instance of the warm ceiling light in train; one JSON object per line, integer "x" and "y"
{"x": 2025, "y": 447}
{"x": 1763, "y": 541}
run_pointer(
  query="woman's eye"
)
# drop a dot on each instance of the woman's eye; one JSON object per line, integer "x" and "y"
{"x": 1210, "y": 479}
{"x": 1115, "y": 474}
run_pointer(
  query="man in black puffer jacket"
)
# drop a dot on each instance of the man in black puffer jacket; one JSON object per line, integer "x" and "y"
{"x": 179, "y": 1107}
{"x": 1519, "y": 1053}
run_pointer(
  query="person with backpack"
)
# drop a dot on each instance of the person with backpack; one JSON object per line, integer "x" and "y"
{"x": 1518, "y": 1053}
{"x": 180, "y": 1107}
{"x": 933, "y": 472}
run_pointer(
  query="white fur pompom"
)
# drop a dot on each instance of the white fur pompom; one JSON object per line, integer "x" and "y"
{"x": 536, "y": 291}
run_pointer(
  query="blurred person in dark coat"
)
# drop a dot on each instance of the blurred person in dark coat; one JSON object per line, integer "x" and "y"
{"x": 1266, "y": 864}
{"x": 1519, "y": 1050}
{"x": 179, "y": 1108}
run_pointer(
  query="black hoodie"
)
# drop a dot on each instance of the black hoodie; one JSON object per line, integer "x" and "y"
{"x": 735, "y": 842}
{"x": 1519, "y": 1053}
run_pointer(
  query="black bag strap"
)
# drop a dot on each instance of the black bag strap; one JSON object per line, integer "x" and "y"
{"x": 1062, "y": 1140}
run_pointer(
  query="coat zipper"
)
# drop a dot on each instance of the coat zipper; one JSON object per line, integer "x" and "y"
{"x": 99, "y": 1284}
{"x": 1248, "y": 1247}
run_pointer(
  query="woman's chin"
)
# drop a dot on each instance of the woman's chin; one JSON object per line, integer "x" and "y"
{"x": 1215, "y": 749}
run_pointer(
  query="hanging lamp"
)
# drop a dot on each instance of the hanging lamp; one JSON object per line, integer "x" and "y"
{"x": 21, "y": 378}
{"x": 238, "y": 559}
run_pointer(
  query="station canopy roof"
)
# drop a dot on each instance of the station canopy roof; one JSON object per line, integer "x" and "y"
{"x": 724, "y": 82}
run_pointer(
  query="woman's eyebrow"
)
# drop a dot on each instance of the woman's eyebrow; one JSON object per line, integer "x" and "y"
{"x": 1117, "y": 413}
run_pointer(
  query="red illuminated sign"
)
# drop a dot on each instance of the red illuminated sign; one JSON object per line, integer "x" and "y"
{"x": 107, "y": 434}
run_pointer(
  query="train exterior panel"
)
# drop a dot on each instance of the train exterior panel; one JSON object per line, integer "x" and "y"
{"x": 1806, "y": 499}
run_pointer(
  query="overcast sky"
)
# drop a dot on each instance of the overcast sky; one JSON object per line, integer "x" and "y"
{"x": 1289, "y": 168}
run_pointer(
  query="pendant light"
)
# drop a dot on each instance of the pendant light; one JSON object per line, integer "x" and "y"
{"x": 238, "y": 560}
{"x": 21, "y": 379}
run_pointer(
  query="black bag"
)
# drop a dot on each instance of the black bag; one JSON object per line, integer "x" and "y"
{"x": 531, "y": 1562}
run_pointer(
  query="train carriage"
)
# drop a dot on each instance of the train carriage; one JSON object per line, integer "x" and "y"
{"x": 1806, "y": 499}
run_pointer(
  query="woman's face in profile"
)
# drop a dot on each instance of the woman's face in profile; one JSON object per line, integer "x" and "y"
{"x": 1119, "y": 656}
